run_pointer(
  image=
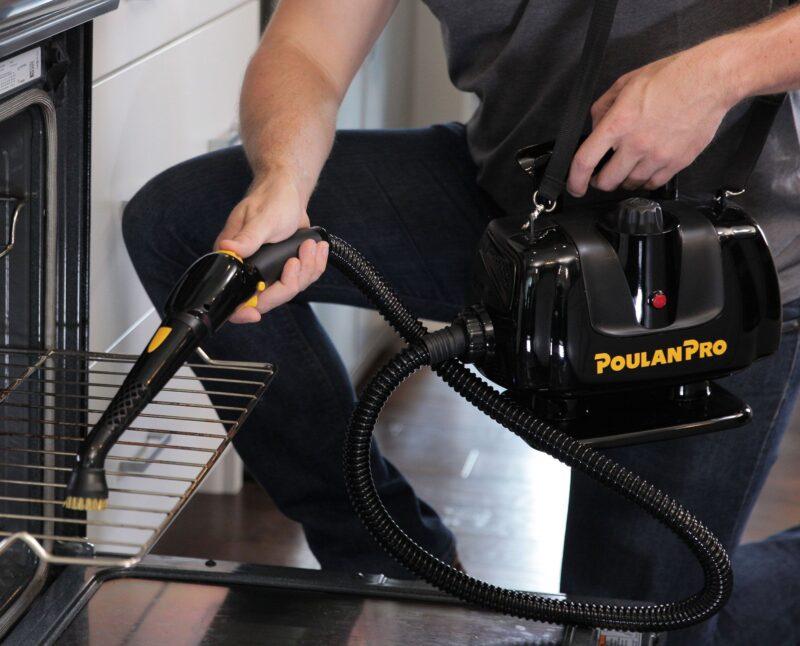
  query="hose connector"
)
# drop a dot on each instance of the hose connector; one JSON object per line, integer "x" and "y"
{"x": 479, "y": 332}
{"x": 470, "y": 337}
{"x": 447, "y": 343}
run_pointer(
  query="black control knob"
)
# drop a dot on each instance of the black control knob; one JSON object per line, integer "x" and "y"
{"x": 636, "y": 216}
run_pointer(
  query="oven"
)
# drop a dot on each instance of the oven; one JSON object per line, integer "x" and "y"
{"x": 44, "y": 116}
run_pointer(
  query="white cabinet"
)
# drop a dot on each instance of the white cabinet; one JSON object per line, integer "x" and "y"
{"x": 155, "y": 113}
{"x": 141, "y": 27}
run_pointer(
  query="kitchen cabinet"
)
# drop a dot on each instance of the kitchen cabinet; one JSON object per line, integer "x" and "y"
{"x": 142, "y": 28}
{"x": 156, "y": 112}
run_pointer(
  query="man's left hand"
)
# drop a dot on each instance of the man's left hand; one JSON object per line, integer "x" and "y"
{"x": 657, "y": 120}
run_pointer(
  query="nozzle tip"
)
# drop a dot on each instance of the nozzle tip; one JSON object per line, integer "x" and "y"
{"x": 87, "y": 490}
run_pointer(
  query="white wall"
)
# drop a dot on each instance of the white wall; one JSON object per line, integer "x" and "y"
{"x": 404, "y": 81}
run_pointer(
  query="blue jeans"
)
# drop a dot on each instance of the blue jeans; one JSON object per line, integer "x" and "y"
{"x": 408, "y": 200}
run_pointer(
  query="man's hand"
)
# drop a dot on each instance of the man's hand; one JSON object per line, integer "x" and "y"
{"x": 657, "y": 119}
{"x": 272, "y": 211}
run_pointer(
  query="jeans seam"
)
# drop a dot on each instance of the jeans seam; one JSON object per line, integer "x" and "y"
{"x": 778, "y": 411}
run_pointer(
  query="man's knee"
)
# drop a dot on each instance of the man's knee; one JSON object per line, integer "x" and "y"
{"x": 144, "y": 218}
{"x": 180, "y": 212}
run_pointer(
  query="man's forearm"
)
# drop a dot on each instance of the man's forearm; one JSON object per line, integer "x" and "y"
{"x": 288, "y": 115}
{"x": 763, "y": 58}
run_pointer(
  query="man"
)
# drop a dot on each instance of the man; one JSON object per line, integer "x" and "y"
{"x": 677, "y": 82}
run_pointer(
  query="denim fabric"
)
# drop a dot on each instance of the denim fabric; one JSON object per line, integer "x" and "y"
{"x": 408, "y": 200}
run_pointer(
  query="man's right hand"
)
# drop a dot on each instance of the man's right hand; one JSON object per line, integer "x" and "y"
{"x": 272, "y": 211}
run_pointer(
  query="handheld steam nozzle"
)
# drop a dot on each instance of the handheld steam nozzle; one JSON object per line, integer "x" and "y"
{"x": 207, "y": 294}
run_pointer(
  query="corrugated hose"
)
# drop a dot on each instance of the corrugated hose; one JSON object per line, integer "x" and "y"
{"x": 541, "y": 436}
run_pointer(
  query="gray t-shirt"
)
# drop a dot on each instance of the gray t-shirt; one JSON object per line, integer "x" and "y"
{"x": 520, "y": 56}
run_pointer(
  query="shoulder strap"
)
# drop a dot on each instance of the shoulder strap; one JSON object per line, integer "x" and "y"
{"x": 760, "y": 117}
{"x": 579, "y": 102}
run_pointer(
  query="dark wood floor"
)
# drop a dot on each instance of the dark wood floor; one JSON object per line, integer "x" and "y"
{"x": 506, "y": 503}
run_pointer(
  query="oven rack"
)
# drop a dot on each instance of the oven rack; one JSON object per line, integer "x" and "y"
{"x": 49, "y": 401}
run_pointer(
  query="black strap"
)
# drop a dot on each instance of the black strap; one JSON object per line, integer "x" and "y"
{"x": 760, "y": 117}
{"x": 579, "y": 102}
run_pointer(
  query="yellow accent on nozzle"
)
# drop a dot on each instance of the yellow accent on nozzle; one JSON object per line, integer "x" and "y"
{"x": 232, "y": 254}
{"x": 261, "y": 286}
{"x": 85, "y": 504}
{"x": 158, "y": 338}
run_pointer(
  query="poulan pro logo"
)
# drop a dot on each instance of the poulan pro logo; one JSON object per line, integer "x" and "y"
{"x": 690, "y": 350}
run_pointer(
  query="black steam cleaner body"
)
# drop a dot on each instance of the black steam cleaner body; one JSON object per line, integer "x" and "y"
{"x": 612, "y": 322}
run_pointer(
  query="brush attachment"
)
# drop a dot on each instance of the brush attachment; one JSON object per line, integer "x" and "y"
{"x": 87, "y": 489}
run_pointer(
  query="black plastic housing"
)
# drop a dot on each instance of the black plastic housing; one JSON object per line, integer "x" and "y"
{"x": 211, "y": 290}
{"x": 575, "y": 290}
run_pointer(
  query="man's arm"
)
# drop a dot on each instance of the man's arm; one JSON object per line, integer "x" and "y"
{"x": 292, "y": 91}
{"x": 660, "y": 117}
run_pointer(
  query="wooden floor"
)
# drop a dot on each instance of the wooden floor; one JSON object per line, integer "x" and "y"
{"x": 506, "y": 503}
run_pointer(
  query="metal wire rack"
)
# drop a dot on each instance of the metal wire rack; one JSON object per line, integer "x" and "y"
{"x": 48, "y": 402}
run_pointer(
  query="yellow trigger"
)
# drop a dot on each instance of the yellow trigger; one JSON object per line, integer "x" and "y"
{"x": 158, "y": 338}
{"x": 253, "y": 302}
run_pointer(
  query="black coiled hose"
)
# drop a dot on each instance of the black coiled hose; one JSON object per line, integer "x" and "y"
{"x": 655, "y": 617}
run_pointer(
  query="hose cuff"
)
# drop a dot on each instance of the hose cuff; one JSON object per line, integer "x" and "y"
{"x": 479, "y": 331}
{"x": 444, "y": 344}
{"x": 469, "y": 338}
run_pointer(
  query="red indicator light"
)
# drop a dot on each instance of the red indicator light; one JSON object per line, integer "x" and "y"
{"x": 658, "y": 300}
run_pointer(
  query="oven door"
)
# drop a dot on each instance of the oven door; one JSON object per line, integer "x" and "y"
{"x": 23, "y": 190}
{"x": 43, "y": 289}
